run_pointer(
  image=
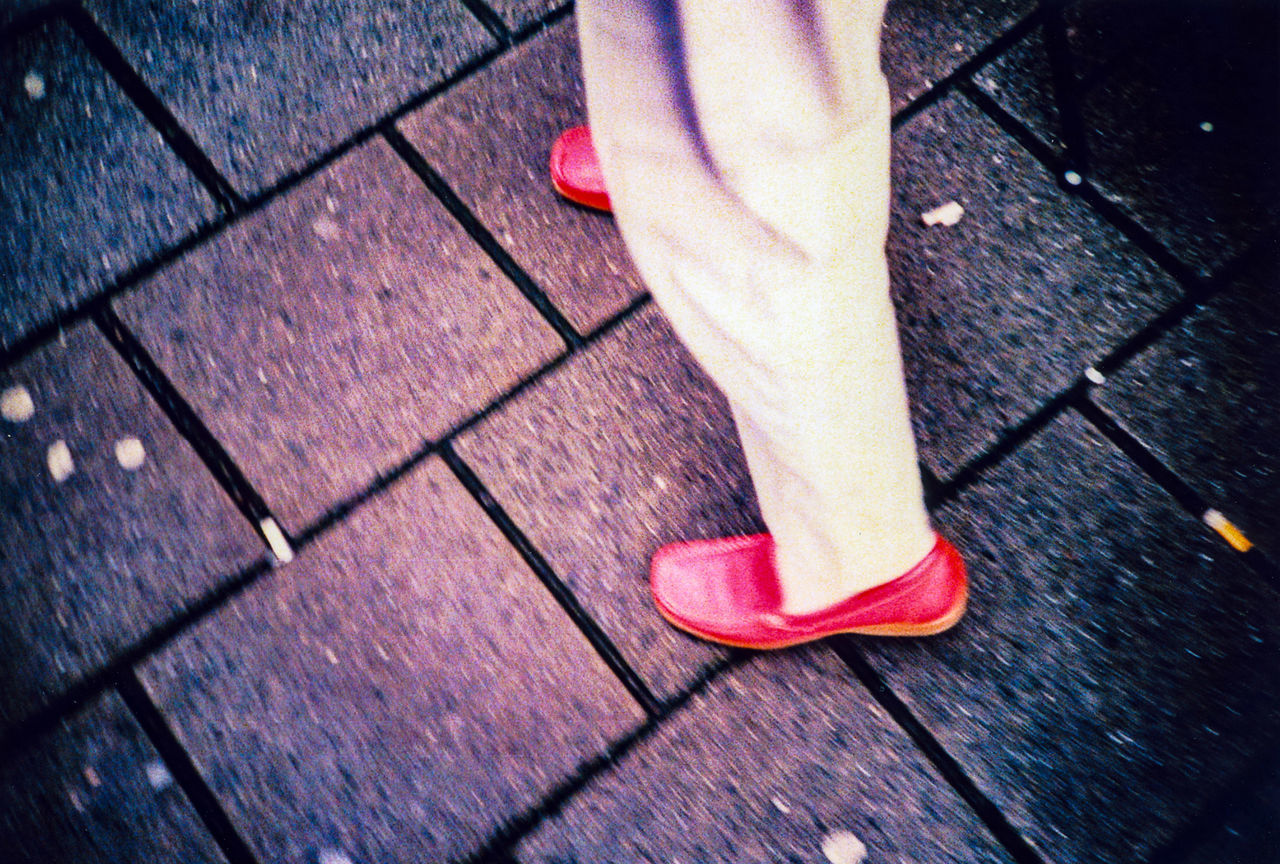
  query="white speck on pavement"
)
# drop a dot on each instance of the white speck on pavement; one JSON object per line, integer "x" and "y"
{"x": 16, "y": 405}
{"x": 61, "y": 465}
{"x": 130, "y": 453}
{"x": 844, "y": 847}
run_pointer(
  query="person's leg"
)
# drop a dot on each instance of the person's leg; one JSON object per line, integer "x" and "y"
{"x": 747, "y": 165}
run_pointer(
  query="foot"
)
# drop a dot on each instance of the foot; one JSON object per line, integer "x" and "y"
{"x": 727, "y": 591}
{"x": 575, "y": 170}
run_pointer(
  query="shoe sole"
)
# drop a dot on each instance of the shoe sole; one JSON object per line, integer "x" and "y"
{"x": 571, "y": 194}
{"x": 925, "y": 628}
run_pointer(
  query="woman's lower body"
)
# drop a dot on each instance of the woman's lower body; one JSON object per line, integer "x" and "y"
{"x": 746, "y": 155}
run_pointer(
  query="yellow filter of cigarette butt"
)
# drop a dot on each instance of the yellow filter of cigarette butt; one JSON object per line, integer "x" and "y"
{"x": 1229, "y": 532}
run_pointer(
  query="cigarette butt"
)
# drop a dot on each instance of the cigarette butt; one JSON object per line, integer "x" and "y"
{"x": 1229, "y": 532}
{"x": 279, "y": 544}
{"x": 948, "y": 214}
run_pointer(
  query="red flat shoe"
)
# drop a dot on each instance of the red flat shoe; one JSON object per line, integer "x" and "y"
{"x": 575, "y": 169}
{"x": 727, "y": 591}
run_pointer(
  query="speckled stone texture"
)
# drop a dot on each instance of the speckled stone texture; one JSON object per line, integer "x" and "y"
{"x": 520, "y": 14}
{"x": 1116, "y": 668}
{"x": 87, "y": 188}
{"x": 93, "y": 563}
{"x": 924, "y": 41}
{"x": 625, "y": 448}
{"x": 13, "y": 10}
{"x": 1150, "y": 74}
{"x": 395, "y": 693}
{"x": 762, "y": 767}
{"x": 491, "y": 138}
{"x": 1005, "y": 309}
{"x": 1204, "y": 399}
{"x": 93, "y": 789}
{"x": 1242, "y": 827}
{"x": 265, "y": 87}
{"x": 325, "y": 339}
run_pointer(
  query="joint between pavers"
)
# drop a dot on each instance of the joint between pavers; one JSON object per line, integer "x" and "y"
{"x": 247, "y": 207}
{"x": 490, "y": 20}
{"x": 1018, "y": 847}
{"x": 499, "y": 848}
{"x": 184, "y": 771}
{"x": 1164, "y": 476}
{"x": 1180, "y": 490}
{"x": 1005, "y": 445}
{"x": 1068, "y": 178}
{"x": 483, "y": 237}
{"x": 153, "y": 109}
{"x": 962, "y": 73}
{"x": 305, "y": 536}
{"x": 187, "y": 423}
{"x": 81, "y": 693}
{"x": 1066, "y": 92}
{"x": 562, "y": 594}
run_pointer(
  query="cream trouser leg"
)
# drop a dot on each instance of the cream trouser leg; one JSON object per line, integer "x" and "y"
{"x": 745, "y": 147}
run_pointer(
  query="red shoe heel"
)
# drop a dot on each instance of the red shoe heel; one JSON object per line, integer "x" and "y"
{"x": 575, "y": 170}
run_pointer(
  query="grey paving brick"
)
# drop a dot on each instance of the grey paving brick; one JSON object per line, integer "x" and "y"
{"x": 518, "y": 14}
{"x": 94, "y": 789}
{"x": 13, "y": 10}
{"x": 924, "y": 41}
{"x": 325, "y": 339}
{"x": 1114, "y": 672}
{"x": 92, "y": 563}
{"x": 266, "y": 87}
{"x": 1150, "y": 75}
{"x": 1204, "y": 399}
{"x": 87, "y": 188}
{"x": 625, "y": 448}
{"x": 395, "y": 693}
{"x": 1009, "y": 306}
{"x": 1243, "y": 830}
{"x": 491, "y": 138}
{"x": 766, "y": 764}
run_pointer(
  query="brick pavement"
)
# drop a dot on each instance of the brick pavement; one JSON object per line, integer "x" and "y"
{"x": 306, "y": 254}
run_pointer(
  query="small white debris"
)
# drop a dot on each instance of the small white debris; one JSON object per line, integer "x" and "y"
{"x": 1073, "y": 178}
{"x": 843, "y": 847}
{"x": 16, "y": 405}
{"x": 33, "y": 83}
{"x": 326, "y": 228}
{"x": 280, "y": 547}
{"x": 158, "y": 775}
{"x": 780, "y": 805}
{"x": 91, "y": 777}
{"x": 660, "y": 482}
{"x": 948, "y": 214}
{"x": 59, "y": 460}
{"x": 1094, "y": 376}
{"x": 1206, "y": 126}
{"x": 130, "y": 453}
{"x": 333, "y": 856}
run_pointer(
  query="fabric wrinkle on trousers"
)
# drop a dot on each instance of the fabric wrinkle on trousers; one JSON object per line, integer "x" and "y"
{"x": 746, "y": 152}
